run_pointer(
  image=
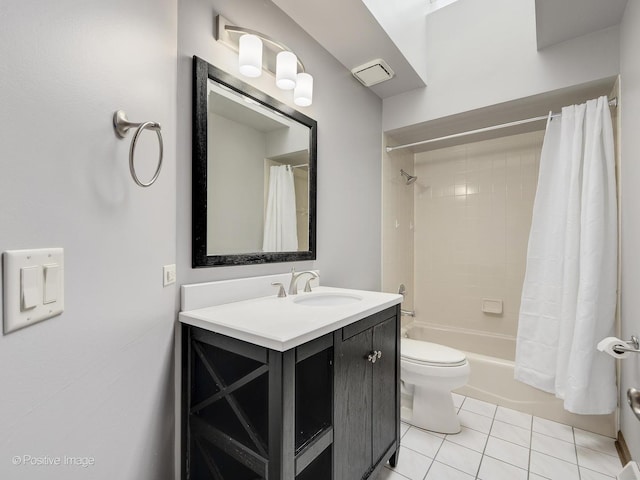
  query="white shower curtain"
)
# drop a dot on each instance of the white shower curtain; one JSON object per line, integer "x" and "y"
{"x": 280, "y": 225}
{"x": 569, "y": 292}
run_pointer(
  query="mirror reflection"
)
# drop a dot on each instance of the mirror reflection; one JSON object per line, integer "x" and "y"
{"x": 258, "y": 177}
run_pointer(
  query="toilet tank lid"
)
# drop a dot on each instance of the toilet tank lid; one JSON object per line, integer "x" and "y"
{"x": 432, "y": 353}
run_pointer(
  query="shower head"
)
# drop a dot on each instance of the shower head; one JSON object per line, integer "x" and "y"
{"x": 410, "y": 178}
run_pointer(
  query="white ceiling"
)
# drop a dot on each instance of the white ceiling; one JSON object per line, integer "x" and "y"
{"x": 560, "y": 20}
{"x": 357, "y": 31}
{"x": 350, "y": 32}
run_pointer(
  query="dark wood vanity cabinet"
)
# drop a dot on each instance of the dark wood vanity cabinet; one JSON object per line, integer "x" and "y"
{"x": 327, "y": 409}
{"x": 367, "y": 400}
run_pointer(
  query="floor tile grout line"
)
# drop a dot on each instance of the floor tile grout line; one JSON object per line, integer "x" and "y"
{"x": 513, "y": 424}
{"x": 456, "y": 469}
{"x": 416, "y": 451}
{"x": 553, "y": 455}
{"x": 476, "y": 413}
{"x": 598, "y": 451}
{"x": 596, "y": 471}
{"x": 507, "y": 441}
{"x": 453, "y": 468}
{"x": 556, "y": 438}
{"x": 493, "y": 419}
{"x": 419, "y": 453}
{"x": 489, "y": 434}
{"x": 441, "y": 444}
{"x": 530, "y": 449}
{"x": 509, "y": 463}
{"x": 575, "y": 449}
{"x": 606, "y": 474}
{"x": 434, "y": 459}
{"x": 397, "y": 473}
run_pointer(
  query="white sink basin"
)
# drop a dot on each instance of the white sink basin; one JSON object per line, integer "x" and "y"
{"x": 326, "y": 299}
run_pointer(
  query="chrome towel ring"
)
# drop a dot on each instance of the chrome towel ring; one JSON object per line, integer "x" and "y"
{"x": 122, "y": 126}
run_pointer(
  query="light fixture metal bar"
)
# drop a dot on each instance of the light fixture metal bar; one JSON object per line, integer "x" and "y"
{"x": 226, "y": 29}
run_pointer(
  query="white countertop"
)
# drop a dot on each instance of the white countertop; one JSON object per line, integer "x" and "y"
{"x": 281, "y": 323}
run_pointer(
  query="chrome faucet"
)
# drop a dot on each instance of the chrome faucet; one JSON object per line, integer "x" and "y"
{"x": 293, "y": 286}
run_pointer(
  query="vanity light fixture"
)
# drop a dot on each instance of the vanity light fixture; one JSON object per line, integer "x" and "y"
{"x": 250, "y": 55}
{"x": 257, "y": 51}
{"x": 286, "y": 70}
{"x": 303, "y": 93}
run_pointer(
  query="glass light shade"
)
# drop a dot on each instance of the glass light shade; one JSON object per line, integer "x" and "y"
{"x": 286, "y": 70}
{"x": 303, "y": 94}
{"x": 250, "y": 56}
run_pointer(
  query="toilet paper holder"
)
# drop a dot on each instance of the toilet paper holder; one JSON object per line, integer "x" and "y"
{"x": 634, "y": 346}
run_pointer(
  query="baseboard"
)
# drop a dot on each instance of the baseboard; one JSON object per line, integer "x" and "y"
{"x": 623, "y": 450}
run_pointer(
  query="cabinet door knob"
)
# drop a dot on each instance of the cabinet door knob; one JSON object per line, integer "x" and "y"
{"x": 379, "y": 353}
{"x": 372, "y": 357}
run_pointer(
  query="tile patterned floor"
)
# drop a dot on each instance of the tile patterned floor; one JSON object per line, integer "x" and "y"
{"x": 498, "y": 443}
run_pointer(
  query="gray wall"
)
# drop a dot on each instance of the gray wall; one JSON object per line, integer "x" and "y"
{"x": 630, "y": 145}
{"x": 95, "y": 381}
{"x": 349, "y": 151}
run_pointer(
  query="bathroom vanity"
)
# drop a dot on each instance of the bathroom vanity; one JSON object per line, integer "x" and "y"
{"x": 304, "y": 387}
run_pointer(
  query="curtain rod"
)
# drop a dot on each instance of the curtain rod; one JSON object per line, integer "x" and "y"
{"x": 299, "y": 166}
{"x": 612, "y": 103}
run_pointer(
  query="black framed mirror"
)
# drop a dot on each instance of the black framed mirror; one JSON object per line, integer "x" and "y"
{"x": 253, "y": 174}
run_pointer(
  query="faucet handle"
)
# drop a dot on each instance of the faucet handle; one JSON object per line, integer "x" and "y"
{"x": 307, "y": 286}
{"x": 281, "y": 291}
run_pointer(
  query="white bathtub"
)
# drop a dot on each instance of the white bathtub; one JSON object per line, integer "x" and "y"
{"x": 491, "y": 359}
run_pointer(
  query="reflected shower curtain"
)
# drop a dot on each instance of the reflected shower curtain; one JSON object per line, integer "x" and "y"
{"x": 569, "y": 292}
{"x": 280, "y": 225}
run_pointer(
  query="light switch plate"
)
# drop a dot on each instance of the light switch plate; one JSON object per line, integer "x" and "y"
{"x": 168, "y": 275}
{"x": 16, "y": 317}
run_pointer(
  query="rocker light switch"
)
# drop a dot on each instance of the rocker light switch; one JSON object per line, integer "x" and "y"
{"x": 33, "y": 283}
{"x": 51, "y": 283}
{"x": 29, "y": 283}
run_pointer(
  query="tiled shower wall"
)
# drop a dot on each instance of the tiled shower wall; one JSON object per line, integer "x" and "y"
{"x": 473, "y": 206}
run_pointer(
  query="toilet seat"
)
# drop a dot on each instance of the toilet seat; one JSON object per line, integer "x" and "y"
{"x": 430, "y": 354}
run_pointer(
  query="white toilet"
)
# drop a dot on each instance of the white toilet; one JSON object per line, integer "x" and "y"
{"x": 429, "y": 372}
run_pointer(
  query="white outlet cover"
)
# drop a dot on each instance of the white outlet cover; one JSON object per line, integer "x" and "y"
{"x": 14, "y": 261}
{"x": 168, "y": 275}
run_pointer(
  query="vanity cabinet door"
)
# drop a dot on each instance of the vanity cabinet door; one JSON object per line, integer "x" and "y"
{"x": 384, "y": 388}
{"x": 367, "y": 399}
{"x": 353, "y": 377}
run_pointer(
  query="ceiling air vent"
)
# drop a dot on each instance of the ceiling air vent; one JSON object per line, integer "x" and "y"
{"x": 373, "y": 72}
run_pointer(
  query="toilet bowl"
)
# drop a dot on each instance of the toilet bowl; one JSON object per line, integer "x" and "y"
{"x": 430, "y": 371}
